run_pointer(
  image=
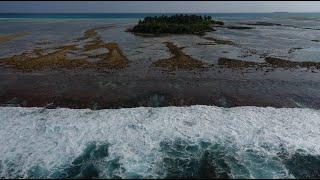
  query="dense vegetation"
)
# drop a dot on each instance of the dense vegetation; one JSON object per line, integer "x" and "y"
{"x": 176, "y": 24}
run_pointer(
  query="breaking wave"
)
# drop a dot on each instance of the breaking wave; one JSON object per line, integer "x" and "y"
{"x": 168, "y": 142}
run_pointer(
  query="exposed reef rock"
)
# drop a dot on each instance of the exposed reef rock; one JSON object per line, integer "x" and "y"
{"x": 233, "y": 63}
{"x": 262, "y": 23}
{"x": 277, "y": 62}
{"x": 239, "y": 27}
{"x": 179, "y": 60}
{"x": 207, "y": 43}
{"x": 291, "y": 50}
{"x": 269, "y": 62}
{"x": 38, "y": 59}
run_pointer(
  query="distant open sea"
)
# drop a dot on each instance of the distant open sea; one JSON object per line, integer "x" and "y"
{"x": 142, "y": 15}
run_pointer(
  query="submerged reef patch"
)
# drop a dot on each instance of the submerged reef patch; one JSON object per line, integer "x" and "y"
{"x": 183, "y": 159}
{"x": 84, "y": 165}
{"x": 5, "y": 38}
{"x": 207, "y": 43}
{"x": 219, "y": 41}
{"x": 304, "y": 166}
{"x": 92, "y": 163}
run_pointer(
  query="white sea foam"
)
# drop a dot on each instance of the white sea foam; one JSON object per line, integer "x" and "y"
{"x": 52, "y": 138}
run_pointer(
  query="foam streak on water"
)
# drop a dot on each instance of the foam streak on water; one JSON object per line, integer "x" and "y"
{"x": 196, "y": 141}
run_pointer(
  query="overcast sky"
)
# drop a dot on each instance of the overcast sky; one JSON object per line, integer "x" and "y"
{"x": 157, "y": 6}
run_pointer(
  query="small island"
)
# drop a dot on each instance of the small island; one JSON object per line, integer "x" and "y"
{"x": 176, "y": 24}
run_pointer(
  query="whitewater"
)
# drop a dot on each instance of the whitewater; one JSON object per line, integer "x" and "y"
{"x": 175, "y": 142}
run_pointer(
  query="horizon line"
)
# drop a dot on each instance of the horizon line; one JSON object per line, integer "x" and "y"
{"x": 150, "y": 12}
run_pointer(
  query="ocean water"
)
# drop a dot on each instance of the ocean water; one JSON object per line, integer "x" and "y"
{"x": 11, "y": 17}
{"x": 133, "y": 17}
{"x": 142, "y": 15}
{"x": 168, "y": 142}
{"x": 296, "y": 31}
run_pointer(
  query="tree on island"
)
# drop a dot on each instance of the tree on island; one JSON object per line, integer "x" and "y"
{"x": 176, "y": 24}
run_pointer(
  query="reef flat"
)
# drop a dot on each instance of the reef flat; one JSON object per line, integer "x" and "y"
{"x": 98, "y": 64}
{"x": 5, "y": 38}
{"x": 39, "y": 58}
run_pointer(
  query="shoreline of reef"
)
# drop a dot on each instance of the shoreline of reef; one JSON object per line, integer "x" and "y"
{"x": 92, "y": 72}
